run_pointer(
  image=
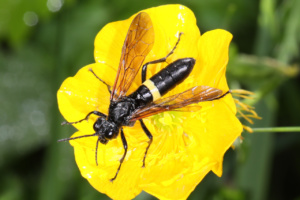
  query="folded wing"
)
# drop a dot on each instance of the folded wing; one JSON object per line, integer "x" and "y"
{"x": 179, "y": 102}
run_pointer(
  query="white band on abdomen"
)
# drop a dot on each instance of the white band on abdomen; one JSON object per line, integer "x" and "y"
{"x": 153, "y": 89}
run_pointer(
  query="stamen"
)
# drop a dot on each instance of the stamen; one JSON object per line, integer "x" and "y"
{"x": 243, "y": 105}
{"x": 253, "y": 116}
{"x": 245, "y": 117}
{"x": 241, "y": 91}
{"x": 248, "y": 129}
{"x": 249, "y": 112}
{"x": 242, "y": 96}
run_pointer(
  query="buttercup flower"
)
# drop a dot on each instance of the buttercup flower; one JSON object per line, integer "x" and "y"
{"x": 186, "y": 145}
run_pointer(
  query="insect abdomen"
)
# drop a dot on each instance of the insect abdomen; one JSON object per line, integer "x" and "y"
{"x": 162, "y": 82}
{"x": 172, "y": 75}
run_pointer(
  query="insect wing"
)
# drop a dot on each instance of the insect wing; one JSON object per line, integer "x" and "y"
{"x": 137, "y": 45}
{"x": 179, "y": 102}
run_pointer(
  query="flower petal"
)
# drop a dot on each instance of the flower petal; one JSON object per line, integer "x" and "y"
{"x": 211, "y": 63}
{"x": 126, "y": 185}
{"x": 215, "y": 129}
{"x": 213, "y": 58}
{"x": 186, "y": 146}
{"x": 206, "y": 137}
{"x": 84, "y": 93}
{"x": 168, "y": 22}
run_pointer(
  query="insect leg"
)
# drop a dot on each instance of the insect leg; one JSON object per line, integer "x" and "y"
{"x": 145, "y": 129}
{"x": 86, "y": 118}
{"x": 96, "y": 151}
{"x": 124, "y": 155}
{"x": 108, "y": 86}
{"x": 144, "y": 68}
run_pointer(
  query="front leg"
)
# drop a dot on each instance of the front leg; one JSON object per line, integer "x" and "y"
{"x": 108, "y": 86}
{"x": 145, "y": 129}
{"x": 86, "y": 118}
{"x": 124, "y": 155}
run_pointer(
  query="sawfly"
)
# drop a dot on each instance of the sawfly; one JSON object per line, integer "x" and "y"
{"x": 125, "y": 110}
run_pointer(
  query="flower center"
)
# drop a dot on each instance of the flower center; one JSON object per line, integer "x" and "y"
{"x": 168, "y": 121}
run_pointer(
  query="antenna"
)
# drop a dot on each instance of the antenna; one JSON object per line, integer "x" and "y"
{"x": 74, "y": 138}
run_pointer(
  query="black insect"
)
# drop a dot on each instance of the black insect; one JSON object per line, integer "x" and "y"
{"x": 125, "y": 110}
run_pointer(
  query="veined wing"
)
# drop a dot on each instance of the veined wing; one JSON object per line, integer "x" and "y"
{"x": 180, "y": 102}
{"x": 137, "y": 45}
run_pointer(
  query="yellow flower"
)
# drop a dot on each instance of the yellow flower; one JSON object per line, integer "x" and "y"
{"x": 186, "y": 145}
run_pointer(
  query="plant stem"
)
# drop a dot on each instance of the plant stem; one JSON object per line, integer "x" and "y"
{"x": 277, "y": 129}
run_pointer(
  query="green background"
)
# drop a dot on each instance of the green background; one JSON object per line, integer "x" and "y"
{"x": 43, "y": 42}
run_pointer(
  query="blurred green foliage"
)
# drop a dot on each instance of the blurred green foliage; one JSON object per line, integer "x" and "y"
{"x": 45, "y": 41}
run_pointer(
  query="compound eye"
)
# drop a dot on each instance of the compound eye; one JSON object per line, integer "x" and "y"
{"x": 109, "y": 135}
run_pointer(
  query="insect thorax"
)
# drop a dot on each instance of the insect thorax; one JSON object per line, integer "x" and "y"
{"x": 120, "y": 111}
